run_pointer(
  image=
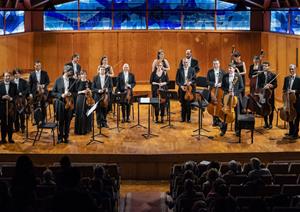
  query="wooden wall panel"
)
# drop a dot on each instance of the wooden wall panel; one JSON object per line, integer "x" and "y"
{"x": 282, "y": 63}
{"x": 95, "y": 49}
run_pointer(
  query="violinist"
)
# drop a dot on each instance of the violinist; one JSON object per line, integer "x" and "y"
{"x": 83, "y": 124}
{"x": 185, "y": 76}
{"x": 159, "y": 80}
{"x": 22, "y": 87}
{"x": 110, "y": 72}
{"x": 267, "y": 80}
{"x": 161, "y": 57}
{"x": 254, "y": 70}
{"x": 214, "y": 79}
{"x": 102, "y": 87}
{"x": 38, "y": 83}
{"x": 126, "y": 83}
{"x": 192, "y": 62}
{"x": 232, "y": 83}
{"x": 292, "y": 84}
{"x": 76, "y": 68}
{"x": 8, "y": 91}
{"x": 240, "y": 68}
{"x": 63, "y": 91}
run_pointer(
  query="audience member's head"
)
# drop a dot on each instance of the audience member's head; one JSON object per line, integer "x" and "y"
{"x": 220, "y": 187}
{"x": 233, "y": 166}
{"x": 213, "y": 165}
{"x": 255, "y": 163}
{"x": 199, "y": 206}
{"x": 247, "y": 168}
{"x": 48, "y": 176}
{"x": 65, "y": 162}
{"x": 99, "y": 172}
{"x": 212, "y": 175}
{"x": 188, "y": 174}
{"x": 190, "y": 165}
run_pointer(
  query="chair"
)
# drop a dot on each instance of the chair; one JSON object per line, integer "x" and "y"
{"x": 285, "y": 179}
{"x": 246, "y": 121}
{"x": 291, "y": 190}
{"x": 236, "y": 190}
{"x": 41, "y": 125}
{"x": 236, "y": 179}
{"x": 285, "y": 209}
{"x": 269, "y": 190}
{"x": 278, "y": 168}
{"x": 294, "y": 168}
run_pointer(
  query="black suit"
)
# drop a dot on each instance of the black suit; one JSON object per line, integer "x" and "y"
{"x": 22, "y": 90}
{"x": 294, "y": 125}
{"x": 73, "y": 68}
{"x": 194, "y": 65}
{"x": 63, "y": 116}
{"x": 121, "y": 87}
{"x": 96, "y": 86}
{"x": 180, "y": 81}
{"x": 262, "y": 81}
{"x": 7, "y": 125}
{"x": 252, "y": 73}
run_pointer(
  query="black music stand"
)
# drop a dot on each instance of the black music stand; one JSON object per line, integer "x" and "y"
{"x": 119, "y": 99}
{"x": 91, "y": 112}
{"x": 27, "y": 138}
{"x": 138, "y": 124}
{"x": 149, "y": 102}
{"x": 169, "y": 125}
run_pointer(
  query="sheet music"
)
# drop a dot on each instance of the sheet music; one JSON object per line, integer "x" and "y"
{"x": 91, "y": 110}
{"x": 145, "y": 100}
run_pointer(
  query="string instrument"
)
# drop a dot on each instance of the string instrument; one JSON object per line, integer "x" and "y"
{"x": 89, "y": 100}
{"x": 128, "y": 95}
{"x": 69, "y": 99}
{"x": 188, "y": 88}
{"x": 162, "y": 98}
{"x": 10, "y": 110}
{"x": 21, "y": 103}
{"x": 215, "y": 106}
{"x": 253, "y": 80}
{"x": 104, "y": 96}
{"x": 41, "y": 94}
{"x": 288, "y": 112}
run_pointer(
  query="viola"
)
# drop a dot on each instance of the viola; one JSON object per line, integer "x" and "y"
{"x": 104, "y": 99}
{"x": 288, "y": 112}
{"x": 69, "y": 102}
{"x": 189, "y": 96}
{"x": 89, "y": 98}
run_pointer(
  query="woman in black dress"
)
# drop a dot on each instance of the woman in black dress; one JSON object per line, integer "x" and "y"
{"x": 83, "y": 124}
{"x": 159, "y": 80}
{"x": 161, "y": 57}
{"x": 241, "y": 68}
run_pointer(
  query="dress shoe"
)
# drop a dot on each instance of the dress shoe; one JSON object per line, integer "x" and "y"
{"x": 287, "y": 134}
{"x": 237, "y": 134}
{"x": 123, "y": 121}
{"x": 11, "y": 141}
{"x": 182, "y": 120}
{"x": 3, "y": 141}
{"x": 188, "y": 121}
{"x": 222, "y": 133}
{"x": 128, "y": 120}
{"x": 105, "y": 125}
{"x": 270, "y": 126}
{"x": 266, "y": 126}
{"x": 294, "y": 137}
{"x": 66, "y": 140}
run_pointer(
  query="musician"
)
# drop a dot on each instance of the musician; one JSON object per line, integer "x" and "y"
{"x": 159, "y": 80}
{"x": 102, "y": 85}
{"x": 22, "y": 88}
{"x": 267, "y": 80}
{"x": 214, "y": 79}
{"x": 38, "y": 83}
{"x": 240, "y": 68}
{"x": 8, "y": 91}
{"x": 108, "y": 69}
{"x": 253, "y": 71}
{"x": 192, "y": 62}
{"x": 161, "y": 57}
{"x": 185, "y": 76}
{"x": 232, "y": 82}
{"x": 292, "y": 84}
{"x": 63, "y": 91}
{"x": 126, "y": 83}
{"x": 83, "y": 124}
{"x": 76, "y": 68}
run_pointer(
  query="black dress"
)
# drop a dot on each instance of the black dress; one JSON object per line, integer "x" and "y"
{"x": 240, "y": 67}
{"x": 83, "y": 124}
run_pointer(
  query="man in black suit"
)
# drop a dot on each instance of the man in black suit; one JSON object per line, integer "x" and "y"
{"x": 8, "y": 91}
{"x": 126, "y": 83}
{"x": 214, "y": 80}
{"x": 38, "y": 86}
{"x": 64, "y": 87}
{"x": 267, "y": 80}
{"x": 102, "y": 85}
{"x": 192, "y": 62}
{"x": 22, "y": 87}
{"x": 232, "y": 83}
{"x": 185, "y": 76}
{"x": 76, "y": 68}
{"x": 292, "y": 84}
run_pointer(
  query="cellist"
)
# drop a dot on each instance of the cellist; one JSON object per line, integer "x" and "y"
{"x": 292, "y": 84}
{"x": 232, "y": 82}
{"x": 214, "y": 78}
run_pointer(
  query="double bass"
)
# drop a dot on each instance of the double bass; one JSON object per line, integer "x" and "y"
{"x": 288, "y": 112}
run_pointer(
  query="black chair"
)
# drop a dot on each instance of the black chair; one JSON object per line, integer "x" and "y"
{"x": 41, "y": 125}
{"x": 246, "y": 121}
{"x": 201, "y": 82}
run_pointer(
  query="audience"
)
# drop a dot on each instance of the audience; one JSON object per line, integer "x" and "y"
{"x": 257, "y": 170}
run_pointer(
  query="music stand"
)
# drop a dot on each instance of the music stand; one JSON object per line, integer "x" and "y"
{"x": 138, "y": 124}
{"x": 169, "y": 125}
{"x": 202, "y": 105}
{"x": 27, "y": 138}
{"x": 119, "y": 99}
{"x": 149, "y": 101}
{"x": 91, "y": 111}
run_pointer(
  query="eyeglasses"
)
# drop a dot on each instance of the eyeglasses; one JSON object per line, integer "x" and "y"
{"x": 291, "y": 69}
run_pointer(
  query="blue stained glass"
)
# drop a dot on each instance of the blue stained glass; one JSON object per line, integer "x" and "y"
{"x": 199, "y": 20}
{"x": 130, "y": 20}
{"x": 233, "y": 20}
{"x": 1, "y": 22}
{"x": 224, "y": 5}
{"x": 14, "y": 22}
{"x": 72, "y": 5}
{"x": 133, "y": 5}
{"x": 280, "y": 21}
{"x": 199, "y": 4}
{"x": 164, "y": 4}
{"x": 91, "y": 20}
{"x": 95, "y": 4}
{"x": 295, "y": 22}
{"x": 60, "y": 20}
{"x": 164, "y": 20}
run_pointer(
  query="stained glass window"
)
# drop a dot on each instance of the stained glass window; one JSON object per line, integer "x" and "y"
{"x": 199, "y": 20}
{"x": 295, "y": 22}
{"x": 280, "y": 21}
{"x": 1, "y": 22}
{"x": 95, "y": 20}
{"x": 14, "y": 22}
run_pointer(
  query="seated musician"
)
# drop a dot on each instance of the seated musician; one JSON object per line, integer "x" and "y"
{"x": 102, "y": 87}
{"x": 126, "y": 83}
{"x": 185, "y": 76}
{"x": 8, "y": 92}
{"x": 159, "y": 80}
{"x": 214, "y": 79}
{"x": 267, "y": 80}
{"x": 22, "y": 87}
{"x": 63, "y": 91}
{"x": 292, "y": 84}
{"x": 232, "y": 82}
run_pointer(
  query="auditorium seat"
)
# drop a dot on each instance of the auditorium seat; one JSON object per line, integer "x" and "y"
{"x": 285, "y": 179}
{"x": 267, "y": 179}
{"x": 235, "y": 179}
{"x": 278, "y": 168}
{"x": 246, "y": 201}
{"x": 269, "y": 190}
{"x": 44, "y": 191}
{"x": 8, "y": 171}
{"x": 294, "y": 168}
{"x": 236, "y": 190}
{"x": 291, "y": 190}
{"x": 285, "y": 209}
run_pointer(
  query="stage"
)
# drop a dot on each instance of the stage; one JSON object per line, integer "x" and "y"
{"x": 141, "y": 158}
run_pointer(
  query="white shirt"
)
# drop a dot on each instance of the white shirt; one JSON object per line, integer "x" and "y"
{"x": 66, "y": 83}
{"x": 17, "y": 82}
{"x": 231, "y": 77}
{"x": 102, "y": 80}
{"x": 217, "y": 73}
{"x": 292, "y": 79}
{"x": 266, "y": 77}
{"x": 126, "y": 74}
{"x": 38, "y": 76}
{"x": 189, "y": 61}
{"x": 74, "y": 67}
{"x": 186, "y": 71}
{"x": 6, "y": 87}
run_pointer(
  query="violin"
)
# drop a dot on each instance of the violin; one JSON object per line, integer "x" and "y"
{"x": 288, "y": 113}
{"x": 69, "y": 102}
{"x": 89, "y": 98}
{"x": 104, "y": 99}
{"x": 21, "y": 103}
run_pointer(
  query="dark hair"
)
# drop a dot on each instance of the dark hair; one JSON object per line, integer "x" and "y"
{"x": 37, "y": 61}
{"x": 65, "y": 162}
{"x": 15, "y": 71}
{"x": 101, "y": 59}
{"x": 232, "y": 65}
{"x": 99, "y": 172}
{"x": 75, "y": 55}
{"x": 159, "y": 52}
{"x": 256, "y": 57}
{"x": 236, "y": 54}
{"x": 266, "y": 63}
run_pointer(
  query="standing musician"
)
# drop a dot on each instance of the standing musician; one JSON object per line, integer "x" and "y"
{"x": 102, "y": 87}
{"x": 232, "y": 82}
{"x": 76, "y": 68}
{"x": 108, "y": 68}
{"x": 292, "y": 84}
{"x": 214, "y": 79}
{"x": 83, "y": 124}
{"x": 192, "y": 62}
{"x": 22, "y": 88}
{"x": 240, "y": 68}
{"x": 126, "y": 83}
{"x": 159, "y": 80}
{"x": 185, "y": 76}
{"x": 254, "y": 70}
{"x": 8, "y": 91}
{"x": 161, "y": 57}
{"x": 267, "y": 80}
{"x": 38, "y": 83}
{"x": 63, "y": 91}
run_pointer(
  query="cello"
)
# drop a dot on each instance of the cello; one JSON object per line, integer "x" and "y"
{"x": 288, "y": 112}
{"x": 253, "y": 79}
{"x": 215, "y": 106}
